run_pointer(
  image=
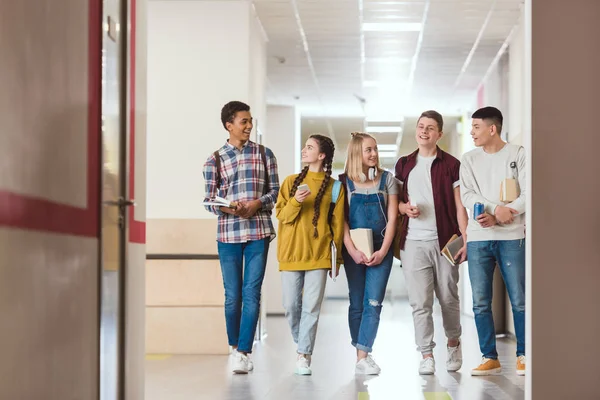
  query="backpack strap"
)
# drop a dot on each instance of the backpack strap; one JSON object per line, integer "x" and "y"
{"x": 263, "y": 155}
{"x": 218, "y": 167}
{"x": 335, "y": 194}
{"x": 344, "y": 181}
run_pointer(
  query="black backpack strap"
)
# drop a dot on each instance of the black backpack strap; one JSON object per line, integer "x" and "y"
{"x": 218, "y": 167}
{"x": 343, "y": 178}
{"x": 263, "y": 156}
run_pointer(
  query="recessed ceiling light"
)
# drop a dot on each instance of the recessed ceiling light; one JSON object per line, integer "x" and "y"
{"x": 384, "y": 129}
{"x": 387, "y": 147}
{"x": 387, "y": 154}
{"x": 380, "y": 119}
{"x": 384, "y": 83}
{"x": 392, "y": 26}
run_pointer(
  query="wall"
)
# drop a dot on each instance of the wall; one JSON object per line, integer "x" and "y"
{"x": 282, "y": 136}
{"x": 49, "y": 147}
{"x": 189, "y": 79}
{"x": 563, "y": 251}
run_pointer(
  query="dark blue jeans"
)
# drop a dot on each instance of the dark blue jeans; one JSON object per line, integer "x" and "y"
{"x": 242, "y": 289}
{"x": 510, "y": 256}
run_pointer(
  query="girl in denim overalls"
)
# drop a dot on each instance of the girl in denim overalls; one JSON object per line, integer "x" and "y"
{"x": 373, "y": 204}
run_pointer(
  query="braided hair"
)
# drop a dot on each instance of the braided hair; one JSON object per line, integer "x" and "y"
{"x": 326, "y": 147}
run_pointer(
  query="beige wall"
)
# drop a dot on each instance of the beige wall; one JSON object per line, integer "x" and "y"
{"x": 564, "y": 314}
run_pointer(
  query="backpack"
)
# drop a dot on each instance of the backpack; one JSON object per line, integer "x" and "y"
{"x": 263, "y": 156}
{"x": 335, "y": 194}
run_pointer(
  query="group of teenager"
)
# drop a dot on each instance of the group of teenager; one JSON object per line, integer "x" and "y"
{"x": 429, "y": 190}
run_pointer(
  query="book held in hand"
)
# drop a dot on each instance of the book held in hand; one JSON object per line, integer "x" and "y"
{"x": 452, "y": 248}
{"x": 363, "y": 240}
{"x": 220, "y": 202}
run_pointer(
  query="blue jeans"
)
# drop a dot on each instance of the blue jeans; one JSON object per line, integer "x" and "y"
{"x": 242, "y": 290}
{"x": 367, "y": 287}
{"x": 510, "y": 256}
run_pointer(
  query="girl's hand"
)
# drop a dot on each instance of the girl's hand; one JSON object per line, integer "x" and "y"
{"x": 359, "y": 257}
{"x": 376, "y": 258}
{"x": 301, "y": 195}
{"x": 337, "y": 273}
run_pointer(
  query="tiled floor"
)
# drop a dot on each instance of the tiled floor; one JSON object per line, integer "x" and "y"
{"x": 209, "y": 377}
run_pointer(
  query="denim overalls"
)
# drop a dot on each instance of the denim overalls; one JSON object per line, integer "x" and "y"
{"x": 367, "y": 285}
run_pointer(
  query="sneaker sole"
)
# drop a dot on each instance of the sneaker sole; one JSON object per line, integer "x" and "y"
{"x": 427, "y": 373}
{"x": 366, "y": 373}
{"x": 302, "y": 372}
{"x": 240, "y": 372}
{"x": 453, "y": 369}
{"x": 520, "y": 372}
{"x": 495, "y": 371}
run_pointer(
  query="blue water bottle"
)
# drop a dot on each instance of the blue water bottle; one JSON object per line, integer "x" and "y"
{"x": 478, "y": 209}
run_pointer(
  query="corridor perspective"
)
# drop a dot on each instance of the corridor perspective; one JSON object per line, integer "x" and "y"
{"x": 148, "y": 146}
{"x": 187, "y": 377}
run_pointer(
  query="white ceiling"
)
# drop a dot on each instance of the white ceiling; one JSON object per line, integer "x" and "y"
{"x": 322, "y": 61}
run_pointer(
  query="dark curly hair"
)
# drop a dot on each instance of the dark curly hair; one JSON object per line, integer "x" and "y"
{"x": 326, "y": 147}
{"x": 230, "y": 109}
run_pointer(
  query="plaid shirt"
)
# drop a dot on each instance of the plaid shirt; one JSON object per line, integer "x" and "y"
{"x": 242, "y": 179}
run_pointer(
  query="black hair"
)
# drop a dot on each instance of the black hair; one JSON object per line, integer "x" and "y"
{"x": 230, "y": 109}
{"x": 491, "y": 115}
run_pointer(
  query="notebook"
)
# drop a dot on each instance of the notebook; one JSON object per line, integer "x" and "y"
{"x": 452, "y": 248}
{"x": 219, "y": 202}
{"x": 334, "y": 265}
{"x": 363, "y": 240}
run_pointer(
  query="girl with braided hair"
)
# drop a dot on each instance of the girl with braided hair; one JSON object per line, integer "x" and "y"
{"x": 309, "y": 220}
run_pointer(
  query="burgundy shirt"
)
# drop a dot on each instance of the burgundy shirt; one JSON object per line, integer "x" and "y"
{"x": 445, "y": 170}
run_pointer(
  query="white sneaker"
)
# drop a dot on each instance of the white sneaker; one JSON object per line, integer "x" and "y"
{"x": 455, "y": 359}
{"x": 250, "y": 363}
{"x": 240, "y": 363}
{"x": 427, "y": 366}
{"x": 367, "y": 366}
{"x": 302, "y": 366}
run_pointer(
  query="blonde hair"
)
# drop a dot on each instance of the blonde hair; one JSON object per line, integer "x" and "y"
{"x": 354, "y": 160}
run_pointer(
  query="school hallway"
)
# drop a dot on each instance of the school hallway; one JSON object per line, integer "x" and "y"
{"x": 333, "y": 378}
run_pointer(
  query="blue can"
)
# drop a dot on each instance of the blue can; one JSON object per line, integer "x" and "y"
{"x": 478, "y": 209}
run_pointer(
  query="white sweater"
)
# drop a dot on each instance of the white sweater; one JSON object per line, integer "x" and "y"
{"x": 481, "y": 175}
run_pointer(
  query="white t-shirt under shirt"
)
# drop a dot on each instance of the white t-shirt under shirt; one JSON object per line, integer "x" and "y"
{"x": 420, "y": 192}
{"x": 481, "y": 175}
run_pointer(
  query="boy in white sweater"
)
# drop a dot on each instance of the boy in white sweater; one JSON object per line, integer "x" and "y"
{"x": 498, "y": 234}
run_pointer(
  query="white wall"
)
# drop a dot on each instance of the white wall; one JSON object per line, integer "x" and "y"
{"x": 201, "y": 55}
{"x": 282, "y": 136}
{"x": 519, "y": 119}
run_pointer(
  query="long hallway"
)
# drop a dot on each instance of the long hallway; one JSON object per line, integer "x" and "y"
{"x": 210, "y": 377}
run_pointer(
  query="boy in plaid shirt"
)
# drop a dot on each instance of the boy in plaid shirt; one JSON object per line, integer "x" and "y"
{"x": 245, "y": 174}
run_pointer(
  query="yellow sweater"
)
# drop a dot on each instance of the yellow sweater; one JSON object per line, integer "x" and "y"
{"x": 297, "y": 249}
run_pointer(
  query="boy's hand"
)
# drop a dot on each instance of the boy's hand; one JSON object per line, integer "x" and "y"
{"x": 248, "y": 209}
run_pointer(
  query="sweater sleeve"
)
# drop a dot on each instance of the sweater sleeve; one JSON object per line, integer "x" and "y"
{"x": 287, "y": 209}
{"x": 520, "y": 203}
{"x": 469, "y": 189}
